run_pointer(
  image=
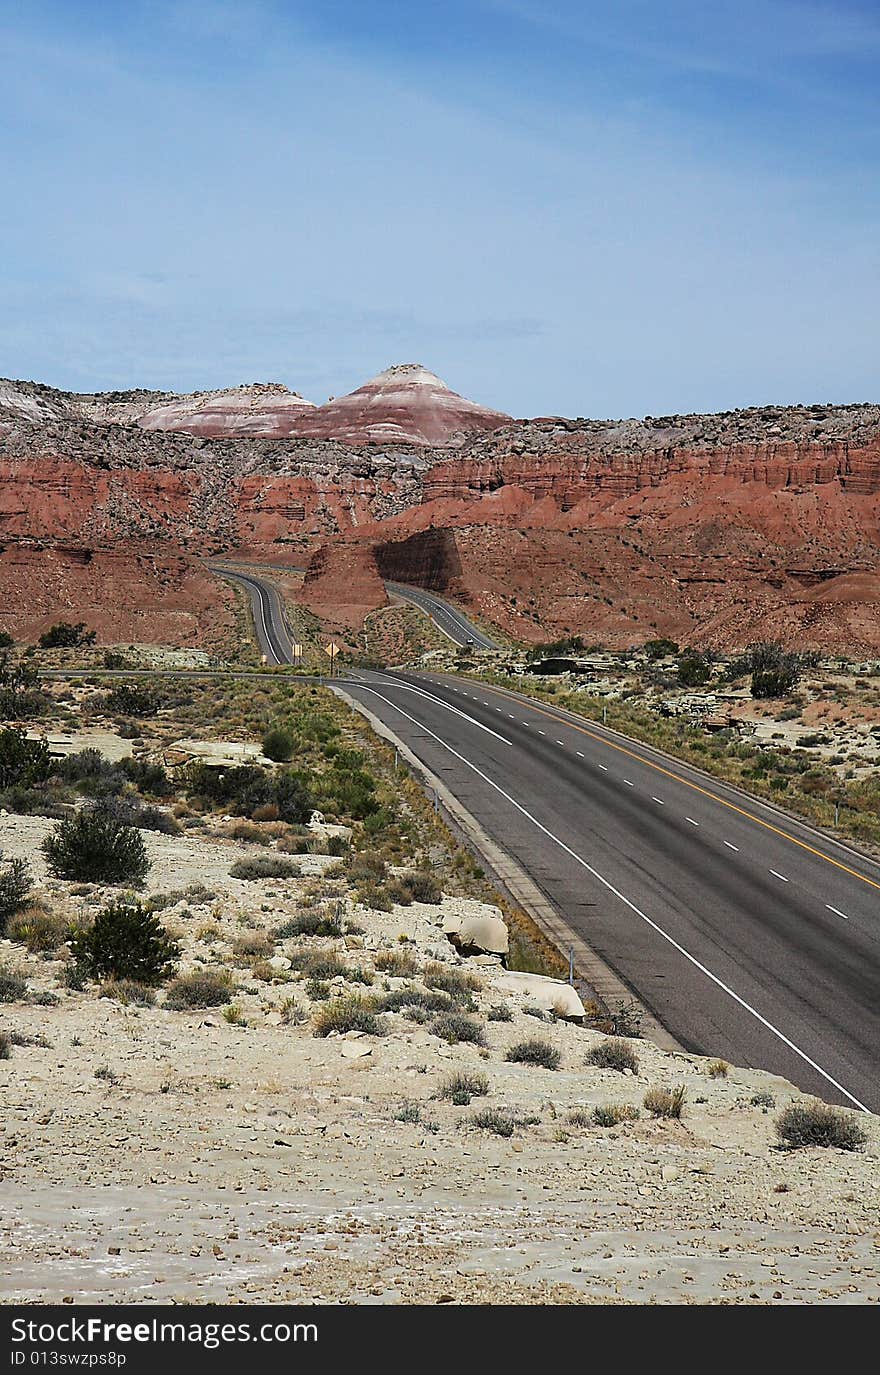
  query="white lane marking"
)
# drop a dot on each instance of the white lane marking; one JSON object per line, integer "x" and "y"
{"x": 691, "y": 820}
{"x": 542, "y": 732}
{"x": 604, "y": 768}
{"x": 580, "y": 754}
{"x": 628, "y": 784}
{"x": 456, "y": 711}
{"x": 561, "y": 742}
{"x": 659, "y": 800}
{"x": 731, "y": 847}
{"x": 606, "y": 883}
{"x": 782, "y": 876}
{"x": 837, "y": 911}
{"x": 510, "y": 714}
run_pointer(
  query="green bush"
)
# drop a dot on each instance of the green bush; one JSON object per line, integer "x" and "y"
{"x": 613, "y": 1054}
{"x": 5, "y": 1046}
{"x": 293, "y": 797}
{"x": 129, "y": 699}
{"x": 693, "y": 671}
{"x": 23, "y": 762}
{"x": 64, "y": 635}
{"x": 817, "y": 1124}
{"x": 421, "y": 887}
{"x": 15, "y": 886}
{"x": 501, "y": 1121}
{"x": 203, "y": 988}
{"x": 126, "y": 942}
{"x": 310, "y": 924}
{"x": 534, "y": 1052}
{"x": 94, "y": 847}
{"x": 279, "y": 744}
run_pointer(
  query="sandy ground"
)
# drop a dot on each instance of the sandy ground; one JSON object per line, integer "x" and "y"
{"x": 257, "y": 1162}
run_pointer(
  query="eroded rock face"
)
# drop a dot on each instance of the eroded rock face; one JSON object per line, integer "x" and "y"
{"x": 267, "y": 411}
{"x": 716, "y": 530}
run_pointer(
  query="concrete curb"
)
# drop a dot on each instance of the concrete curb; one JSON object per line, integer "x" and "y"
{"x": 511, "y": 876}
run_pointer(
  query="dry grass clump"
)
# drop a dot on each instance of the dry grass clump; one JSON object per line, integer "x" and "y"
{"x": 354, "y": 1013}
{"x": 456, "y": 1029}
{"x": 263, "y": 866}
{"x": 13, "y": 988}
{"x": 311, "y": 924}
{"x": 814, "y": 1123}
{"x": 458, "y": 983}
{"x": 462, "y": 1087}
{"x": 252, "y": 945}
{"x": 610, "y": 1114}
{"x": 499, "y": 1121}
{"x": 202, "y": 988}
{"x": 129, "y": 992}
{"x": 534, "y": 1051}
{"x": 614, "y": 1053}
{"x": 717, "y": 1069}
{"x": 665, "y": 1102}
{"x": 39, "y": 930}
{"x": 400, "y": 964}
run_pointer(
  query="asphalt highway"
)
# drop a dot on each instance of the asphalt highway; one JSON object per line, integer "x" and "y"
{"x": 747, "y": 934}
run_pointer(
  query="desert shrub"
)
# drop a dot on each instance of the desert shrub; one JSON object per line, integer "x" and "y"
{"x": 6, "y": 640}
{"x": 202, "y": 988}
{"x": 348, "y": 791}
{"x": 129, "y": 699}
{"x": 534, "y": 1052}
{"x": 501, "y": 1121}
{"x": 20, "y": 697}
{"x": 279, "y": 744}
{"x": 407, "y": 1112}
{"x": 15, "y": 887}
{"x": 263, "y": 866}
{"x": 665, "y": 1102}
{"x": 293, "y": 797}
{"x": 13, "y": 988}
{"x": 291, "y": 1012}
{"x": 500, "y": 1013}
{"x": 318, "y": 965}
{"x": 91, "y": 772}
{"x": 252, "y": 945}
{"x": 693, "y": 671}
{"x": 419, "y": 887}
{"x": 454, "y": 1028}
{"x": 610, "y": 1114}
{"x": 338, "y": 845}
{"x": 353, "y": 1013}
{"x": 458, "y": 983}
{"x": 40, "y": 931}
{"x": 613, "y": 1054}
{"x": 126, "y": 941}
{"x": 660, "y": 649}
{"x": 717, "y": 1069}
{"x": 818, "y": 1124}
{"x": 310, "y": 924}
{"x": 146, "y": 776}
{"x": 762, "y": 1099}
{"x": 623, "y": 1020}
{"x": 23, "y": 762}
{"x": 5, "y": 1046}
{"x": 64, "y": 635}
{"x": 93, "y": 846}
{"x": 129, "y": 811}
{"x": 462, "y": 1087}
{"x": 401, "y": 999}
{"x": 400, "y": 964}
{"x": 129, "y": 991}
{"x": 366, "y": 868}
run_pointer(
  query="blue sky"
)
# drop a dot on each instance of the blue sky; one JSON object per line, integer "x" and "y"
{"x": 622, "y": 208}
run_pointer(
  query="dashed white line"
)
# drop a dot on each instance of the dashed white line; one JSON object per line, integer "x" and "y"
{"x": 628, "y": 784}
{"x": 580, "y": 754}
{"x": 561, "y": 742}
{"x": 604, "y": 768}
{"x": 837, "y": 911}
{"x": 659, "y": 801}
{"x": 542, "y": 732}
{"x": 776, "y": 875}
{"x": 691, "y": 820}
{"x": 731, "y": 847}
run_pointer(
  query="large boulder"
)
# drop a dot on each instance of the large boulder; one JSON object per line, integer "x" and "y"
{"x": 476, "y": 929}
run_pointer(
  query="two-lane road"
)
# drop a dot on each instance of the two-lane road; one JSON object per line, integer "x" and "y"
{"x": 747, "y": 934}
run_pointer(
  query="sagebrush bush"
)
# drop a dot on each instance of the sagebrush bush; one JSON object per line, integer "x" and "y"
{"x": 263, "y": 866}
{"x": 5, "y": 1046}
{"x": 93, "y": 846}
{"x": 13, "y": 988}
{"x": 279, "y": 744}
{"x": 614, "y": 1053}
{"x": 126, "y": 941}
{"x": 252, "y": 945}
{"x": 353, "y": 1013}
{"x": 65, "y": 635}
{"x": 202, "y": 988}
{"x": 311, "y": 924}
{"x": 40, "y": 931}
{"x": 454, "y": 1028}
{"x": 462, "y": 1087}
{"x": 129, "y": 699}
{"x": 501, "y": 1121}
{"x": 665, "y": 1102}
{"x": 818, "y": 1124}
{"x": 500, "y": 1013}
{"x": 458, "y": 983}
{"x": 401, "y": 999}
{"x": 534, "y": 1052}
{"x": 15, "y": 887}
{"x": 23, "y": 762}
{"x": 423, "y": 887}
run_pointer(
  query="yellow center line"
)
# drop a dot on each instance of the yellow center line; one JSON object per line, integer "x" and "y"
{"x": 677, "y": 778}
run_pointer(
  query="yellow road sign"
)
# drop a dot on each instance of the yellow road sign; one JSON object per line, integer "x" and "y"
{"x": 333, "y": 649}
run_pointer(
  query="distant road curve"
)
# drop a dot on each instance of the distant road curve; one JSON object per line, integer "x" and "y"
{"x": 447, "y": 618}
